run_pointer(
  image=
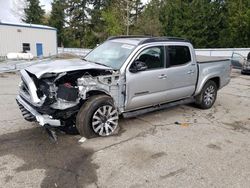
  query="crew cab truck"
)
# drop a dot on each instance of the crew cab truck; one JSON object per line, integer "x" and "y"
{"x": 125, "y": 76}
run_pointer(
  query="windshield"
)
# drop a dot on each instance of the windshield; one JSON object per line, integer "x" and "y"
{"x": 110, "y": 53}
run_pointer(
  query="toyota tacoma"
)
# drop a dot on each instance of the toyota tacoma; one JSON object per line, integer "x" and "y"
{"x": 124, "y": 77}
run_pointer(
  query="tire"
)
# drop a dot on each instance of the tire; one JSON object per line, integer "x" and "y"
{"x": 97, "y": 117}
{"x": 207, "y": 96}
{"x": 245, "y": 72}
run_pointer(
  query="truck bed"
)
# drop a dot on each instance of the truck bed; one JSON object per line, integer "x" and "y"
{"x": 209, "y": 59}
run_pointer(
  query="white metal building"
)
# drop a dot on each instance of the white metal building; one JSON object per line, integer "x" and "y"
{"x": 39, "y": 40}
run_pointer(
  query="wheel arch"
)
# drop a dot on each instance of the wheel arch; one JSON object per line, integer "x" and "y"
{"x": 97, "y": 92}
{"x": 216, "y": 79}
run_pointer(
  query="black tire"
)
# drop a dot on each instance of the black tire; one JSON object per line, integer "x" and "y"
{"x": 84, "y": 118}
{"x": 204, "y": 100}
{"x": 245, "y": 73}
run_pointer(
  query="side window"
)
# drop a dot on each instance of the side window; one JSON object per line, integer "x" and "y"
{"x": 26, "y": 47}
{"x": 178, "y": 55}
{"x": 153, "y": 57}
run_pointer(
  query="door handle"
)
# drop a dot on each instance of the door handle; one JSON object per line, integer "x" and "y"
{"x": 191, "y": 72}
{"x": 162, "y": 76}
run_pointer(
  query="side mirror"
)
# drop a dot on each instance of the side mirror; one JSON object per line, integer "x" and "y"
{"x": 138, "y": 66}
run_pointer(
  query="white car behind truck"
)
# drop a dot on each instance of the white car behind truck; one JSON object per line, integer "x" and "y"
{"x": 125, "y": 76}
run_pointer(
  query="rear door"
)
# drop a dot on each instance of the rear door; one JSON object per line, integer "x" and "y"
{"x": 148, "y": 87}
{"x": 181, "y": 72}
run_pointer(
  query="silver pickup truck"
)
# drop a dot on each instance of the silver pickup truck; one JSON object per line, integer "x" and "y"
{"x": 124, "y": 76}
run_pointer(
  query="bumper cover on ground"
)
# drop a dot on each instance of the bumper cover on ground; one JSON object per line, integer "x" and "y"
{"x": 30, "y": 114}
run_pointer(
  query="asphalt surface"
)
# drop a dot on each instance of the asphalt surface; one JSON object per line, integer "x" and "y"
{"x": 178, "y": 147}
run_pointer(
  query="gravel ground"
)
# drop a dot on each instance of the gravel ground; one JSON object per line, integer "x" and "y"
{"x": 207, "y": 148}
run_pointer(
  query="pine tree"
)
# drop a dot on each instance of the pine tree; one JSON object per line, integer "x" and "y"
{"x": 114, "y": 18}
{"x": 238, "y": 17}
{"x": 148, "y": 21}
{"x": 33, "y": 13}
{"x": 202, "y": 22}
{"x": 57, "y": 19}
{"x": 96, "y": 26}
{"x": 77, "y": 12}
{"x": 136, "y": 8}
{"x": 120, "y": 17}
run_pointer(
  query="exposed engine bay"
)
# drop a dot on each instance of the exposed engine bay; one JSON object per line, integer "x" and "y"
{"x": 62, "y": 94}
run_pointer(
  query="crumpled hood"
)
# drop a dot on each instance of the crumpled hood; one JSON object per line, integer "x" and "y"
{"x": 59, "y": 66}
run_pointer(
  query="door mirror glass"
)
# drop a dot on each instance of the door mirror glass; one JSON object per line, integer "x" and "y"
{"x": 138, "y": 66}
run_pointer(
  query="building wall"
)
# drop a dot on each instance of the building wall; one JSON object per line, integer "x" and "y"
{"x": 13, "y": 37}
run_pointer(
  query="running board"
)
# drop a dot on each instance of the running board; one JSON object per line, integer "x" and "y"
{"x": 158, "y": 107}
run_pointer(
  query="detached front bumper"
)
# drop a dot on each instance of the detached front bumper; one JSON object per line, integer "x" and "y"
{"x": 30, "y": 114}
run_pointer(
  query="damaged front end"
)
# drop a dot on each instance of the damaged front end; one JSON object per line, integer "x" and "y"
{"x": 54, "y": 99}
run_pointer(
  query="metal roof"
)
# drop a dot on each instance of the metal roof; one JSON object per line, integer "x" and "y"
{"x": 35, "y": 26}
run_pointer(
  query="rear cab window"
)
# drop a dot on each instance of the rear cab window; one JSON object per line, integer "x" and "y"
{"x": 177, "y": 55}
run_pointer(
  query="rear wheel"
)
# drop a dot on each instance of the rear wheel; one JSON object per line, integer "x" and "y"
{"x": 208, "y": 95}
{"x": 97, "y": 117}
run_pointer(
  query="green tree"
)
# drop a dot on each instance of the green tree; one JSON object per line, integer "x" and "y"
{"x": 148, "y": 22}
{"x": 201, "y": 21}
{"x": 120, "y": 17}
{"x": 114, "y": 18}
{"x": 33, "y": 12}
{"x": 96, "y": 32}
{"x": 136, "y": 8}
{"x": 57, "y": 20}
{"x": 114, "y": 23}
{"x": 77, "y": 12}
{"x": 206, "y": 23}
{"x": 238, "y": 14}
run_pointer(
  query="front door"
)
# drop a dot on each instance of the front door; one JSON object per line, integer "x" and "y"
{"x": 39, "y": 49}
{"x": 148, "y": 87}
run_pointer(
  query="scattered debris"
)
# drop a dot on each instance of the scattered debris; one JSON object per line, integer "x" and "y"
{"x": 174, "y": 173}
{"x": 52, "y": 134}
{"x": 182, "y": 124}
{"x": 214, "y": 146}
{"x": 83, "y": 139}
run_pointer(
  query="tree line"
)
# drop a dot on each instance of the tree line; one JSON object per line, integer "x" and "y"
{"x": 206, "y": 23}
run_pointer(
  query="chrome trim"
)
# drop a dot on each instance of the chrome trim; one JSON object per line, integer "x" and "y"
{"x": 31, "y": 85}
{"x": 41, "y": 119}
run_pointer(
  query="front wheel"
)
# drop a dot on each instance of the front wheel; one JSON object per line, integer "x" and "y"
{"x": 207, "y": 97}
{"x": 97, "y": 117}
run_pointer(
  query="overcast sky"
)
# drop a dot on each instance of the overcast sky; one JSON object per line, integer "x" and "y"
{"x": 6, "y": 9}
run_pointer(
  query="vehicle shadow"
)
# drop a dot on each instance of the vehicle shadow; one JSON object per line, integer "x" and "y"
{"x": 67, "y": 164}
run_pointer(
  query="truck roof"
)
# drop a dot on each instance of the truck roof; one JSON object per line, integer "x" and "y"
{"x": 138, "y": 39}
